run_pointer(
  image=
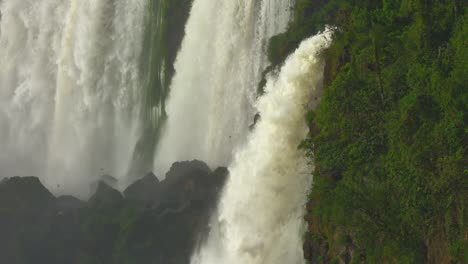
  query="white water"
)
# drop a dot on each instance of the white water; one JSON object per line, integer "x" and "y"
{"x": 69, "y": 88}
{"x": 260, "y": 213}
{"x": 218, "y": 68}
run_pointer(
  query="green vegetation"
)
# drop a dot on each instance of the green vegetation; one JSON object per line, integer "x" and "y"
{"x": 389, "y": 139}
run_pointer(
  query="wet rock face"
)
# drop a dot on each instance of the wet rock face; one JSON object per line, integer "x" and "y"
{"x": 105, "y": 195}
{"x": 186, "y": 169}
{"x": 66, "y": 202}
{"x": 24, "y": 204}
{"x": 26, "y": 193}
{"x": 154, "y": 221}
{"x": 143, "y": 190}
{"x": 192, "y": 180}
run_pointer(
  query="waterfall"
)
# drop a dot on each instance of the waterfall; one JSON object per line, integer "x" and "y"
{"x": 260, "y": 213}
{"x": 70, "y": 95}
{"x": 82, "y": 93}
{"x": 211, "y": 102}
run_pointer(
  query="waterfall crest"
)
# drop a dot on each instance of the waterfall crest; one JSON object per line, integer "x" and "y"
{"x": 260, "y": 212}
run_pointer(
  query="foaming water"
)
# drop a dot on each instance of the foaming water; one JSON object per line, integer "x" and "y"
{"x": 70, "y": 95}
{"x": 211, "y": 103}
{"x": 260, "y": 212}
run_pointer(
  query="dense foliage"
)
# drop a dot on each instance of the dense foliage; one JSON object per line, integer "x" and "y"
{"x": 389, "y": 139}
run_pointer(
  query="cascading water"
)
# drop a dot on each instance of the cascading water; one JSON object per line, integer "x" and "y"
{"x": 70, "y": 95}
{"x": 76, "y": 102}
{"x": 217, "y": 71}
{"x": 260, "y": 213}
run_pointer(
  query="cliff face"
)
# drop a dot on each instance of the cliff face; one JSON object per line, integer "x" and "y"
{"x": 155, "y": 222}
{"x": 389, "y": 138}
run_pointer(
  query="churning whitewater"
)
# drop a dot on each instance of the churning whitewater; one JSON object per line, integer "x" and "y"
{"x": 70, "y": 95}
{"x": 218, "y": 68}
{"x": 260, "y": 213}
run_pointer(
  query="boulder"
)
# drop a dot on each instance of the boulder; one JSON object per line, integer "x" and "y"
{"x": 219, "y": 177}
{"x": 24, "y": 213}
{"x": 143, "y": 190}
{"x": 24, "y": 193}
{"x": 105, "y": 178}
{"x": 67, "y": 202}
{"x": 256, "y": 119}
{"x": 156, "y": 222}
{"x": 209, "y": 187}
{"x": 186, "y": 169}
{"x": 105, "y": 196}
{"x": 182, "y": 182}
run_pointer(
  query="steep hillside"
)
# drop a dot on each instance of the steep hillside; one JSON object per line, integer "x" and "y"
{"x": 389, "y": 138}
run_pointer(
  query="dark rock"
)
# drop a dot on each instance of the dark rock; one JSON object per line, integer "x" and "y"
{"x": 188, "y": 196}
{"x": 186, "y": 169}
{"x": 67, "y": 202}
{"x": 24, "y": 193}
{"x": 188, "y": 182}
{"x": 183, "y": 182}
{"x": 105, "y": 195}
{"x": 107, "y": 179}
{"x": 24, "y": 210}
{"x": 144, "y": 189}
{"x": 109, "y": 228}
{"x": 219, "y": 177}
{"x": 209, "y": 187}
{"x": 257, "y": 118}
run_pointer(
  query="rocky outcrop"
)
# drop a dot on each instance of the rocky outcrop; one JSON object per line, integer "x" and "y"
{"x": 187, "y": 181}
{"x": 256, "y": 119}
{"x": 105, "y": 195}
{"x": 153, "y": 222}
{"x": 67, "y": 202}
{"x": 143, "y": 190}
{"x": 25, "y": 193}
